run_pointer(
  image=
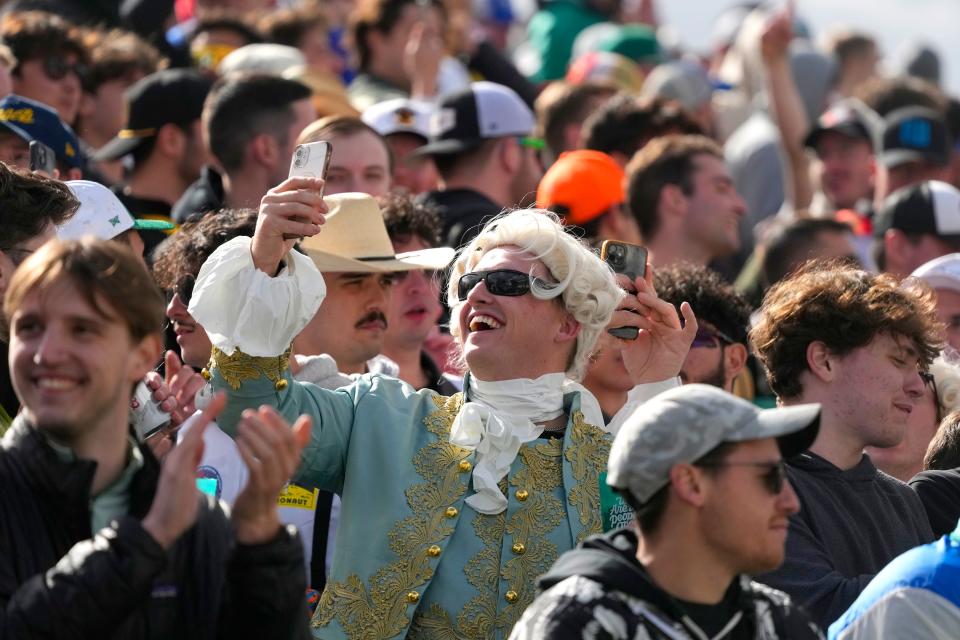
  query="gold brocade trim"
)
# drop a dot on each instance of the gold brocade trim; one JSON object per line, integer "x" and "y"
{"x": 541, "y": 474}
{"x": 587, "y": 455}
{"x": 239, "y": 367}
{"x": 381, "y": 612}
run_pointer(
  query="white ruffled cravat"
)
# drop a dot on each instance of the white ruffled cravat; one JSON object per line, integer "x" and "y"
{"x": 500, "y": 417}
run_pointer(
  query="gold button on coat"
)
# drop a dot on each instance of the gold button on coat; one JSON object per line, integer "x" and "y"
{"x": 465, "y": 466}
{"x": 433, "y": 551}
{"x": 510, "y": 596}
{"x": 519, "y": 548}
{"x": 451, "y": 512}
{"x": 522, "y": 494}
{"x": 413, "y": 597}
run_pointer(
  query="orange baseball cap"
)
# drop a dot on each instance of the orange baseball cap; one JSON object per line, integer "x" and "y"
{"x": 586, "y": 183}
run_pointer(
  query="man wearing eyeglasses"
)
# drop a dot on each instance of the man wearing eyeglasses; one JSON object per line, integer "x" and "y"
{"x": 451, "y": 506}
{"x": 857, "y": 343}
{"x": 719, "y": 351}
{"x": 685, "y": 570}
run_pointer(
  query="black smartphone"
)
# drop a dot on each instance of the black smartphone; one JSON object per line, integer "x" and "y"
{"x": 42, "y": 158}
{"x": 631, "y": 261}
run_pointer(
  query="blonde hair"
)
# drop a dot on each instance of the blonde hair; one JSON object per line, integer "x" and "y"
{"x": 584, "y": 283}
{"x": 946, "y": 375}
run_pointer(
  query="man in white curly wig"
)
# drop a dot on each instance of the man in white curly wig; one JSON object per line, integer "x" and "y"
{"x": 451, "y": 506}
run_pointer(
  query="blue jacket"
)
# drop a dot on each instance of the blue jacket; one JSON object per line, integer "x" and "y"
{"x": 411, "y": 558}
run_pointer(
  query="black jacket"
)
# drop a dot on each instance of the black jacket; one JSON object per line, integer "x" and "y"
{"x": 462, "y": 212}
{"x": 939, "y": 491}
{"x": 60, "y": 580}
{"x": 599, "y": 590}
{"x": 202, "y": 197}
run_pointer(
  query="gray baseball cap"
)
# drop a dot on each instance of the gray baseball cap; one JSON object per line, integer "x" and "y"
{"x": 684, "y": 424}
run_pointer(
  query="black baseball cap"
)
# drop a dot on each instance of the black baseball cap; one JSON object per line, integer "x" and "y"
{"x": 914, "y": 134}
{"x": 483, "y": 111}
{"x": 846, "y": 117}
{"x": 169, "y": 96}
{"x": 930, "y": 207}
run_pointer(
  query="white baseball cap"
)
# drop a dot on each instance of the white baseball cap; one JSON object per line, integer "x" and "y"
{"x": 101, "y": 214}
{"x": 941, "y": 273}
{"x": 401, "y": 115}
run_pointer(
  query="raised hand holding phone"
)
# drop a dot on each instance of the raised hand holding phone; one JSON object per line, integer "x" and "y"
{"x": 310, "y": 160}
{"x": 629, "y": 260}
{"x": 291, "y": 210}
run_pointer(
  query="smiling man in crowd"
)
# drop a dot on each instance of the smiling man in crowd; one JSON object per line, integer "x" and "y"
{"x": 684, "y": 570}
{"x": 100, "y": 540}
{"x": 420, "y": 474}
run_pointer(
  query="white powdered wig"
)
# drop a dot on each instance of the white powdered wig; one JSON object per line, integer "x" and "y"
{"x": 587, "y": 285}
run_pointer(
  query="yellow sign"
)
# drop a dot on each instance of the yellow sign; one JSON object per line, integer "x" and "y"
{"x": 298, "y": 498}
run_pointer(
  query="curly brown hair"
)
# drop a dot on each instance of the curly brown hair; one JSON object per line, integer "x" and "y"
{"x": 843, "y": 307}
{"x": 35, "y": 34}
{"x": 186, "y": 251}
{"x": 406, "y": 218}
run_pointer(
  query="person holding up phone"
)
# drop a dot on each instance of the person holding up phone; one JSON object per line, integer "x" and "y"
{"x": 419, "y": 474}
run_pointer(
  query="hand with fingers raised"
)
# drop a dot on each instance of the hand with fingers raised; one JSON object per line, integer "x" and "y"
{"x": 184, "y": 383}
{"x": 291, "y": 210}
{"x": 271, "y": 448}
{"x": 663, "y": 340}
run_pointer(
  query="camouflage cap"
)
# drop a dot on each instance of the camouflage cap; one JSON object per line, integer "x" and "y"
{"x": 684, "y": 424}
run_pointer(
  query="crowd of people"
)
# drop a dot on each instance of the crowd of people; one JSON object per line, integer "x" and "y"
{"x": 414, "y": 397}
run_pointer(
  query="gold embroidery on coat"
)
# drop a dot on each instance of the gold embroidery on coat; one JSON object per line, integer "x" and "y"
{"x": 587, "y": 455}
{"x": 485, "y": 616}
{"x": 382, "y": 612}
{"x": 240, "y": 367}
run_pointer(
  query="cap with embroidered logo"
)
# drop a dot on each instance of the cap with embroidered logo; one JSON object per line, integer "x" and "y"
{"x": 847, "y": 117}
{"x": 169, "y": 96}
{"x": 914, "y": 134}
{"x": 400, "y": 115}
{"x": 483, "y": 111}
{"x": 31, "y": 120}
{"x": 101, "y": 214}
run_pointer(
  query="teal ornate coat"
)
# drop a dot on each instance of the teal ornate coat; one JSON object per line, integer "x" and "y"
{"x": 411, "y": 558}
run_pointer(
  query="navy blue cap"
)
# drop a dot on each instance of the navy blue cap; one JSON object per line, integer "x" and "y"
{"x": 914, "y": 134}
{"x": 32, "y": 120}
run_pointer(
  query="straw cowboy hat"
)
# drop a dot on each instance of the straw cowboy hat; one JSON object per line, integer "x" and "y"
{"x": 354, "y": 239}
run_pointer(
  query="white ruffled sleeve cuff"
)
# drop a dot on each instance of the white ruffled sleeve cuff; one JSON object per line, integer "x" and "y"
{"x": 243, "y": 308}
{"x": 636, "y": 397}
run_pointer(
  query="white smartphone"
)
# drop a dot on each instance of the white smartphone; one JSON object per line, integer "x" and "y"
{"x": 310, "y": 160}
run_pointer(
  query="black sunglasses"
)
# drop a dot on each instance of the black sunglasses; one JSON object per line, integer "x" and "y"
{"x": 57, "y": 68}
{"x": 183, "y": 289}
{"x": 773, "y": 479}
{"x": 710, "y": 338}
{"x": 500, "y": 282}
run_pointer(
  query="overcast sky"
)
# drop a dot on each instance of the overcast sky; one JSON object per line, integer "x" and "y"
{"x": 892, "y": 22}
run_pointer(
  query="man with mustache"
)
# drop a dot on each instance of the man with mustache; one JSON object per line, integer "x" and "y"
{"x": 351, "y": 325}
